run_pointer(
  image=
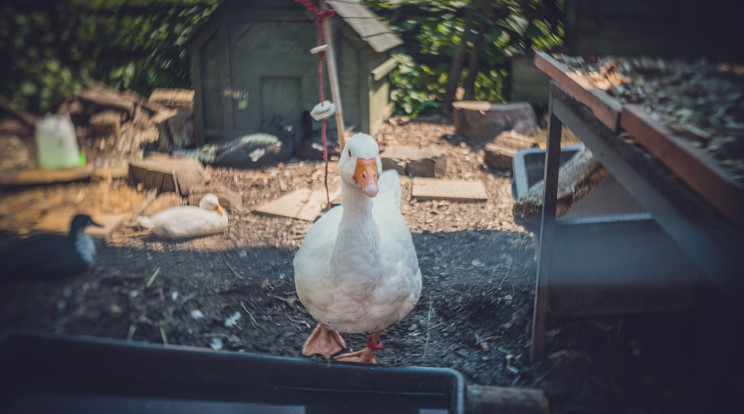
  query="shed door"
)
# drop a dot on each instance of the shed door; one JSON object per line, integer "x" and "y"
{"x": 282, "y": 96}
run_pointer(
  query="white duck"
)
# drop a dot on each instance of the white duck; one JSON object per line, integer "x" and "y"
{"x": 357, "y": 270}
{"x": 188, "y": 221}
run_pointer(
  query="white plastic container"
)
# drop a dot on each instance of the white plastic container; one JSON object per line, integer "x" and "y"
{"x": 56, "y": 142}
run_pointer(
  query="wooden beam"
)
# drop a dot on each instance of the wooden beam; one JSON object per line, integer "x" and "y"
{"x": 695, "y": 167}
{"x": 38, "y": 176}
{"x": 384, "y": 68}
{"x": 605, "y": 108}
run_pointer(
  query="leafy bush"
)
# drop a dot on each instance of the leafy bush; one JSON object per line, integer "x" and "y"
{"x": 415, "y": 87}
{"x": 52, "y": 48}
{"x": 433, "y": 29}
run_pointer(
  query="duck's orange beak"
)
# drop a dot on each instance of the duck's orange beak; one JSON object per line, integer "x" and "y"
{"x": 365, "y": 175}
{"x": 219, "y": 209}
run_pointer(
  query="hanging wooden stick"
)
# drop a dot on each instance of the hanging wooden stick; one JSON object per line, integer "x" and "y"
{"x": 335, "y": 95}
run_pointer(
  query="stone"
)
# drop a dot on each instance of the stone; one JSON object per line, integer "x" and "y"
{"x": 481, "y": 121}
{"x": 414, "y": 161}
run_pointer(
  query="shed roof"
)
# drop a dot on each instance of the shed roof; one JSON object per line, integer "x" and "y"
{"x": 358, "y": 16}
{"x": 366, "y": 24}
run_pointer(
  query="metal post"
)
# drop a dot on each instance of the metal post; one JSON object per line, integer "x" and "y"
{"x": 547, "y": 230}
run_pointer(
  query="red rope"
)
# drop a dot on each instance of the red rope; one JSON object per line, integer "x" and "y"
{"x": 319, "y": 16}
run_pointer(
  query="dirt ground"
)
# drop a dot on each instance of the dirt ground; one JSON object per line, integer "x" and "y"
{"x": 474, "y": 315}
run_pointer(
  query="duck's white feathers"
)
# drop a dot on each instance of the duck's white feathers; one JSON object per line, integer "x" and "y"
{"x": 187, "y": 221}
{"x": 357, "y": 270}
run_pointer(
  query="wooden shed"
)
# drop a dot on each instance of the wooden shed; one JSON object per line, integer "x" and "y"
{"x": 251, "y": 58}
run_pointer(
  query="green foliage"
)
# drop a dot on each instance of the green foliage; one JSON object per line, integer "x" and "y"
{"x": 415, "y": 87}
{"x": 54, "y": 47}
{"x": 432, "y": 30}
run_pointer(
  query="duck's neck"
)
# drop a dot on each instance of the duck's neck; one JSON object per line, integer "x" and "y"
{"x": 85, "y": 246}
{"x": 358, "y": 238}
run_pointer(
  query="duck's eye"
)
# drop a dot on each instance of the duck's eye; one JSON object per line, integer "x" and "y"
{"x": 349, "y": 152}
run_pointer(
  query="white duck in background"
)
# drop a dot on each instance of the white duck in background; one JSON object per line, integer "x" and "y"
{"x": 357, "y": 270}
{"x": 188, "y": 221}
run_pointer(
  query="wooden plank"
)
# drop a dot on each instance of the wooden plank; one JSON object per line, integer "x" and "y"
{"x": 347, "y": 9}
{"x": 303, "y": 204}
{"x": 383, "y": 42}
{"x": 698, "y": 169}
{"x": 488, "y": 399}
{"x": 37, "y": 176}
{"x": 604, "y": 107}
{"x": 58, "y": 221}
{"x": 384, "y": 68}
{"x": 432, "y": 188}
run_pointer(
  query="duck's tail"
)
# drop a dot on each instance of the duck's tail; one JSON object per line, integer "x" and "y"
{"x": 145, "y": 222}
{"x": 389, "y": 188}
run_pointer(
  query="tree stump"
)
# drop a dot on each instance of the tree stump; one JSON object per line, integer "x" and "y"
{"x": 577, "y": 177}
{"x": 481, "y": 121}
{"x": 414, "y": 161}
{"x": 168, "y": 174}
{"x": 499, "y": 154}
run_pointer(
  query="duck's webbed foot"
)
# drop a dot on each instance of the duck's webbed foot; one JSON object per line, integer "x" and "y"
{"x": 366, "y": 355}
{"x": 323, "y": 341}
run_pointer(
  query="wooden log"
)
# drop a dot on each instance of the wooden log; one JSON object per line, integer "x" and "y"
{"x": 38, "y": 176}
{"x": 179, "y": 99}
{"x": 106, "y": 123}
{"x": 128, "y": 101}
{"x": 105, "y": 97}
{"x": 420, "y": 162}
{"x": 28, "y": 118}
{"x": 577, "y": 177}
{"x": 168, "y": 174}
{"x": 500, "y": 153}
{"x": 481, "y": 121}
{"x": 484, "y": 399}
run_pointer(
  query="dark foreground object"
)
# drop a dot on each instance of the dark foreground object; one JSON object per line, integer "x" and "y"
{"x": 54, "y": 373}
